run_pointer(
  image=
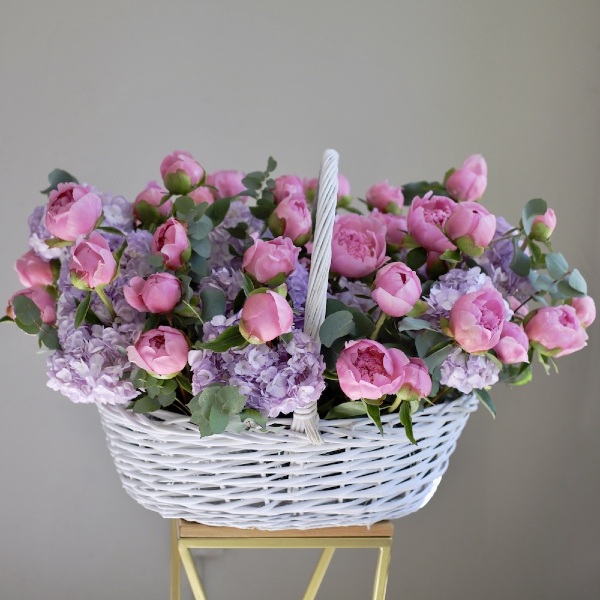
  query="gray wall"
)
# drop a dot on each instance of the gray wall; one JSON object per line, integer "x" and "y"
{"x": 403, "y": 90}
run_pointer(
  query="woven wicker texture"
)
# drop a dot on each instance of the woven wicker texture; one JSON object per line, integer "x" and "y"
{"x": 278, "y": 480}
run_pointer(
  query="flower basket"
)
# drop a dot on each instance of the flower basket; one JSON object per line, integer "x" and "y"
{"x": 278, "y": 479}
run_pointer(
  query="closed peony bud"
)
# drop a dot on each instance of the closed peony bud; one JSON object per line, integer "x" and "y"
{"x": 272, "y": 261}
{"x": 396, "y": 289}
{"x": 543, "y": 226}
{"x": 417, "y": 381}
{"x": 162, "y": 352}
{"x": 556, "y": 331}
{"x": 34, "y": 271}
{"x": 159, "y": 293}
{"x": 513, "y": 345}
{"x": 153, "y": 194}
{"x": 471, "y": 227}
{"x": 585, "y": 308}
{"x": 287, "y": 185}
{"x": 92, "y": 264}
{"x": 226, "y": 183}
{"x": 171, "y": 242}
{"x": 291, "y": 218}
{"x": 180, "y": 172}
{"x": 468, "y": 183}
{"x": 385, "y": 197}
{"x": 265, "y": 316}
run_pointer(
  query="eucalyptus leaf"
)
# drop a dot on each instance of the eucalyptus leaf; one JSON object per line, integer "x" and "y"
{"x": 577, "y": 282}
{"x": 347, "y": 410}
{"x": 212, "y": 301}
{"x": 416, "y": 258}
{"x": 230, "y": 338}
{"x": 49, "y": 337}
{"x": 145, "y": 404}
{"x": 531, "y": 210}
{"x": 218, "y": 210}
{"x": 335, "y": 326}
{"x": 58, "y": 176}
{"x": 556, "y": 265}
{"x": 412, "y": 324}
{"x": 183, "y": 205}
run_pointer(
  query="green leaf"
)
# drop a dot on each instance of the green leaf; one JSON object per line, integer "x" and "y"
{"x": 58, "y": 176}
{"x": 247, "y": 285}
{"x": 82, "y": 310}
{"x": 347, "y": 410}
{"x": 521, "y": 262}
{"x": 254, "y": 415}
{"x": 184, "y": 383}
{"x": 218, "y": 210}
{"x": 239, "y": 232}
{"x": 56, "y": 243}
{"x": 556, "y": 265}
{"x": 212, "y": 301}
{"x": 49, "y": 337}
{"x": 212, "y": 408}
{"x": 27, "y": 315}
{"x": 183, "y": 205}
{"x": 112, "y": 230}
{"x": 230, "y": 338}
{"x": 531, "y": 210}
{"x": 271, "y": 165}
{"x": 145, "y": 404}
{"x": 426, "y": 340}
{"x": 375, "y": 415}
{"x": 487, "y": 401}
{"x": 412, "y": 324}
{"x": 452, "y": 256}
{"x": 416, "y": 258}
{"x": 198, "y": 266}
{"x": 6, "y": 318}
{"x": 577, "y": 282}
{"x": 199, "y": 229}
{"x": 147, "y": 214}
{"x": 201, "y": 247}
{"x": 435, "y": 359}
{"x": 405, "y": 415}
{"x": 336, "y": 326}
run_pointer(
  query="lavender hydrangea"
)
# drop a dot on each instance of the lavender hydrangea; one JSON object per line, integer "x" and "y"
{"x": 118, "y": 212}
{"x": 354, "y": 294}
{"x": 274, "y": 380}
{"x": 467, "y": 372}
{"x": 228, "y": 280}
{"x": 297, "y": 285}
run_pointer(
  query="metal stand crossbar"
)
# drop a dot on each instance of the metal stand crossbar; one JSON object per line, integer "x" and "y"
{"x": 187, "y": 536}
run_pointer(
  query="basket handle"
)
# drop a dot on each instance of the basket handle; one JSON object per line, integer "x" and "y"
{"x": 307, "y": 419}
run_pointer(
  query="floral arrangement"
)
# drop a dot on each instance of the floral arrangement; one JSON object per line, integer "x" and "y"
{"x": 192, "y": 297}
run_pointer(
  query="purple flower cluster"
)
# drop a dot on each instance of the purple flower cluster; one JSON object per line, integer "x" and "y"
{"x": 275, "y": 380}
{"x": 467, "y": 372}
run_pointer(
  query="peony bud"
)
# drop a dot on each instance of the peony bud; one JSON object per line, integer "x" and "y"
{"x": 272, "y": 261}
{"x": 426, "y": 220}
{"x": 417, "y": 381}
{"x": 42, "y": 299}
{"x": 202, "y": 194}
{"x": 543, "y": 226}
{"x": 73, "y": 211}
{"x": 162, "y": 352}
{"x": 226, "y": 183}
{"x": 585, "y": 308}
{"x": 92, "y": 264}
{"x": 34, "y": 271}
{"x": 396, "y": 289}
{"x": 171, "y": 242}
{"x": 159, "y": 293}
{"x": 180, "y": 172}
{"x": 265, "y": 316}
{"x": 291, "y": 218}
{"x": 287, "y": 185}
{"x": 385, "y": 197}
{"x": 152, "y": 195}
{"x": 513, "y": 345}
{"x": 556, "y": 331}
{"x": 468, "y": 183}
{"x": 471, "y": 227}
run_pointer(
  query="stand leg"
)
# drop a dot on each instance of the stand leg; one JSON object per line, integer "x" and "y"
{"x": 381, "y": 575}
{"x": 319, "y": 573}
{"x": 175, "y": 567}
{"x": 192, "y": 573}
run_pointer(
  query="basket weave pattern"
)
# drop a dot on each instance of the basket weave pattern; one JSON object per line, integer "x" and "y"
{"x": 278, "y": 480}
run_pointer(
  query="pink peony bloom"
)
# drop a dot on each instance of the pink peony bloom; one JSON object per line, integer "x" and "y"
{"x": 385, "y": 197}
{"x": 226, "y": 183}
{"x": 358, "y": 246}
{"x": 180, "y": 172}
{"x": 311, "y": 185}
{"x": 265, "y": 316}
{"x": 417, "y": 381}
{"x": 367, "y": 369}
{"x": 395, "y": 228}
{"x": 543, "y": 225}
{"x": 426, "y": 220}
{"x": 556, "y": 331}
{"x": 585, "y": 308}
{"x": 513, "y": 345}
{"x": 396, "y": 289}
{"x": 471, "y": 227}
{"x": 92, "y": 263}
{"x": 163, "y": 352}
{"x": 468, "y": 183}
{"x": 291, "y": 218}
{"x": 476, "y": 319}
{"x": 287, "y": 185}
{"x": 34, "y": 271}
{"x": 73, "y": 211}
{"x": 152, "y": 194}
{"x": 272, "y": 261}
{"x": 202, "y": 194}
{"x": 160, "y": 293}
{"x": 42, "y": 299}
{"x": 171, "y": 242}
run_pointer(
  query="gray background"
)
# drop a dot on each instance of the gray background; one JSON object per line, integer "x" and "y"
{"x": 403, "y": 90}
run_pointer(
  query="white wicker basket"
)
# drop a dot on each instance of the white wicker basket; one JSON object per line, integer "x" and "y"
{"x": 299, "y": 474}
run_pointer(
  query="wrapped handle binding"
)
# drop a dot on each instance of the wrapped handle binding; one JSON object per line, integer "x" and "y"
{"x": 307, "y": 419}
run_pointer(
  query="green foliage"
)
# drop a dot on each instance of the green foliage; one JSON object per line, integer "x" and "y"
{"x": 82, "y": 309}
{"x": 230, "y": 338}
{"x": 217, "y": 211}
{"x": 374, "y": 414}
{"x": 420, "y": 188}
{"x": 212, "y": 301}
{"x": 58, "y": 176}
{"x": 486, "y": 400}
{"x": 347, "y": 410}
{"x": 213, "y": 407}
{"x": 405, "y": 415}
{"x": 416, "y": 258}
{"x": 336, "y": 325}
{"x": 531, "y": 210}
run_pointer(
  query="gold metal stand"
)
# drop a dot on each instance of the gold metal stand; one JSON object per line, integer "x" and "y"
{"x": 187, "y": 535}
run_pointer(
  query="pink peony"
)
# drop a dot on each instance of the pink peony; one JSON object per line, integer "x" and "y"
{"x": 160, "y": 293}
{"x": 171, "y": 242}
{"x": 92, "y": 263}
{"x": 272, "y": 261}
{"x": 543, "y": 225}
{"x": 556, "y": 330}
{"x": 476, "y": 320}
{"x": 396, "y": 289}
{"x": 585, "y": 308}
{"x": 426, "y": 220}
{"x": 265, "y": 316}
{"x": 202, "y": 194}
{"x": 513, "y": 345}
{"x": 385, "y": 197}
{"x": 73, "y": 211}
{"x": 291, "y": 218}
{"x": 287, "y": 185}
{"x": 471, "y": 227}
{"x": 468, "y": 183}
{"x": 395, "y": 228}
{"x": 311, "y": 185}
{"x": 358, "y": 246}
{"x": 163, "y": 352}
{"x": 152, "y": 194}
{"x": 367, "y": 369}
{"x": 417, "y": 381}
{"x": 34, "y": 271}
{"x": 180, "y": 172}
{"x": 226, "y": 183}
{"x": 42, "y": 299}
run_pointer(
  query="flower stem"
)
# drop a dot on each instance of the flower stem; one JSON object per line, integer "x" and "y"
{"x": 106, "y": 301}
{"x": 378, "y": 325}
